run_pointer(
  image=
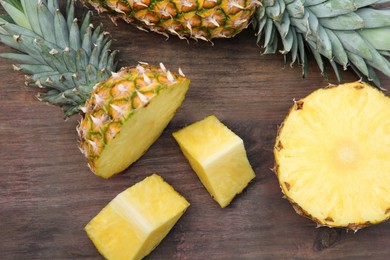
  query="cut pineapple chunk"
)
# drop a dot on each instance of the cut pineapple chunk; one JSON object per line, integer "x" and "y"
{"x": 218, "y": 157}
{"x": 136, "y": 220}
{"x": 332, "y": 156}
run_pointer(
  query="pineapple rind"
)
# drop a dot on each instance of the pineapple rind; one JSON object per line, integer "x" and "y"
{"x": 217, "y": 156}
{"x": 137, "y": 219}
{"x": 354, "y": 116}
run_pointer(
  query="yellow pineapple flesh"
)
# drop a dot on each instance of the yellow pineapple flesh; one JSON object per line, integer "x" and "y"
{"x": 218, "y": 157}
{"x": 126, "y": 114}
{"x": 332, "y": 156}
{"x": 137, "y": 219}
{"x": 198, "y": 19}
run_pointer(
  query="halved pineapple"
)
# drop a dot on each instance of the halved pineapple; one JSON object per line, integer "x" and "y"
{"x": 137, "y": 219}
{"x": 332, "y": 156}
{"x": 218, "y": 157}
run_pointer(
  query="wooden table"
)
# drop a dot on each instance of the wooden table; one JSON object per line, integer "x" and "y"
{"x": 48, "y": 194}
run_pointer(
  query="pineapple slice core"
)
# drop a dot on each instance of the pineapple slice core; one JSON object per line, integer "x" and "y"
{"x": 347, "y": 155}
{"x": 137, "y": 219}
{"x": 218, "y": 157}
{"x": 332, "y": 156}
{"x": 140, "y": 131}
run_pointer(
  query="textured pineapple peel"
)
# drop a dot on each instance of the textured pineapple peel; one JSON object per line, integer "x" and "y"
{"x": 218, "y": 157}
{"x": 332, "y": 156}
{"x": 137, "y": 219}
{"x": 126, "y": 114}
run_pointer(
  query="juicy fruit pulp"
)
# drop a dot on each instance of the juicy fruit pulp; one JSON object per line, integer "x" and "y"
{"x": 332, "y": 156}
{"x": 218, "y": 157}
{"x": 136, "y": 220}
{"x": 126, "y": 114}
{"x": 193, "y": 18}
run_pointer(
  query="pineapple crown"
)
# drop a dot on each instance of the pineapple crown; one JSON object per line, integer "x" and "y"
{"x": 347, "y": 32}
{"x": 58, "y": 54}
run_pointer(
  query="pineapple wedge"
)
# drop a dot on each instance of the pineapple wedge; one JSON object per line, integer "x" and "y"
{"x": 332, "y": 156}
{"x": 218, "y": 157}
{"x": 137, "y": 219}
{"x": 126, "y": 114}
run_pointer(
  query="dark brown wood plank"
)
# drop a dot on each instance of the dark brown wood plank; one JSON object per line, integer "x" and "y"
{"x": 47, "y": 193}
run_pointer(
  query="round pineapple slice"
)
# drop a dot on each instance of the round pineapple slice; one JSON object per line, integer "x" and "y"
{"x": 126, "y": 113}
{"x": 332, "y": 156}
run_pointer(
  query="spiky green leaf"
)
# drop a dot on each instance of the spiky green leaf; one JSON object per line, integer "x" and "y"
{"x": 61, "y": 30}
{"x": 346, "y": 32}
{"x": 16, "y": 14}
{"x": 31, "y": 11}
{"x": 66, "y": 58}
{"x": 379, "y": 38}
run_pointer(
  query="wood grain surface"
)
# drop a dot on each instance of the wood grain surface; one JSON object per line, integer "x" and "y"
{"x": 48, "y": 194}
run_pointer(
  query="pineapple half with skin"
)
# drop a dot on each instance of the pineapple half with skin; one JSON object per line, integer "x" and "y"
{"x": 137, "y": 219}
{"x": 124, "y": 112}
{"x": 331, "y": 156}
{"x": 218, "y": 157}
{"x": 345, "y": 32}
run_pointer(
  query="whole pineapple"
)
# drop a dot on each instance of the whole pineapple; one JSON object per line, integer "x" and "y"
{"x": 345, "y": 32}
{"x": 331, "y": 156}
{"x": 198, "y": 19}
{"x": 123, "y": 112}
